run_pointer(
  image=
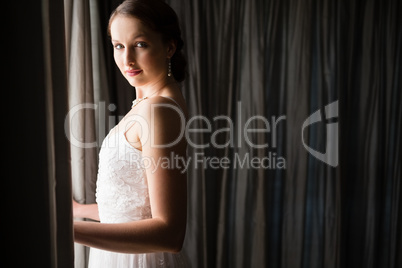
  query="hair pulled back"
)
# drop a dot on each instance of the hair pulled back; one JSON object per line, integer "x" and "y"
{"x": 161, "y": 18}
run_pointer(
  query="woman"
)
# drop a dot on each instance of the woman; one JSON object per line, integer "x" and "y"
{"x": 141, "y": 206}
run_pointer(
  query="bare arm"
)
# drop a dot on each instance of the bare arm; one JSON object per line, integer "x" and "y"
{"x": 89, "y": 211}
{"x": 144, "y": 236}
{"x": 168, "y": 195}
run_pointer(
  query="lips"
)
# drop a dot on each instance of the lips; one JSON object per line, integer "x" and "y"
{"x": 134, "y": 72}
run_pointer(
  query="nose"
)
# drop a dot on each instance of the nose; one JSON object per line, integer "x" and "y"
{"x": 129, "y": 57}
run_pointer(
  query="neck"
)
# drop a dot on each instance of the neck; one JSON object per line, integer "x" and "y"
{"x": 152, "y": 89}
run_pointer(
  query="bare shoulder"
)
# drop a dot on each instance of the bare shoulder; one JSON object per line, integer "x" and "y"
{"x": 162, "y": 108}
{"x": 166, "y": 120}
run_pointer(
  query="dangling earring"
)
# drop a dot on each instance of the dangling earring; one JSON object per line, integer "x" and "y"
{"x": 170, "y": 69}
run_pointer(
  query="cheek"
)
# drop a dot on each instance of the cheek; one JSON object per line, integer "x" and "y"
{"x": 153, "y": 61}
{"x": 118, "y": 60}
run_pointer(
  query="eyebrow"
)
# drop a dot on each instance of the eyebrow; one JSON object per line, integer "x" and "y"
{"x": 136, "y": 37}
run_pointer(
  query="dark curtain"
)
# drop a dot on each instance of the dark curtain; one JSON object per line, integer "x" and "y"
{"x": 282, "y": 61}
{"x": 36, "y": 209}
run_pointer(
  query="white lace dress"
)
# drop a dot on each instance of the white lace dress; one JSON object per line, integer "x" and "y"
{"x": 122, "y": 196}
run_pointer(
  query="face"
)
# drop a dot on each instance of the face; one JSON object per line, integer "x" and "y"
{"x": 139, "y": 52}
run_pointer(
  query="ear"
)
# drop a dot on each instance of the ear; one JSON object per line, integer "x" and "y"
{"x": 171, "y": 48}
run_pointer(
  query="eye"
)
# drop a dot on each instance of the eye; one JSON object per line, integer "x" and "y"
{"x": 141, "y": 44}
{"x": 118, "y": 46}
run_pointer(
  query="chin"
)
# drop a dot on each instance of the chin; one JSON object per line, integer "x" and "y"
{"x": 133, "y": 81}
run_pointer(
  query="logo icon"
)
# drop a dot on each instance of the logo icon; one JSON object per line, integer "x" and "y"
{"x": 330, "y": 156}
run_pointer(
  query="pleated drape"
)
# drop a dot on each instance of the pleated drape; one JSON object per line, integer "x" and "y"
{"x": 284, "y": 60}
{"x": 88, "y": 97}
{"x": 58, "y": 153}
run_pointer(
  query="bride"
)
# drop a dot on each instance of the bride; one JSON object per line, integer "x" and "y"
{"x": 141, "y": 209}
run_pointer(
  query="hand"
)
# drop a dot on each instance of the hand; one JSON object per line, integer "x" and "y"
{"x": 76, "y": 208}
{"x": 89, "y": 211}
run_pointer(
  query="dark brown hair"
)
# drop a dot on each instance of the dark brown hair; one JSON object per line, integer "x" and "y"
{"x": 161, "y": 18}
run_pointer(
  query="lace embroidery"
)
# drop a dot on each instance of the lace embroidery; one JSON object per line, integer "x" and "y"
{"x": 122, "y": 189}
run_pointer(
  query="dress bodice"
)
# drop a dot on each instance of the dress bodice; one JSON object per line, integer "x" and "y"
{"x": 122, "y": 189}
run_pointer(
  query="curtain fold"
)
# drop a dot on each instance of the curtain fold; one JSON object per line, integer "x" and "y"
{"x": 82, "y": 119}
{"x": 58, "y": 149}
{"x": 291, "y": 59}
{"x": 88, "y": 99}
